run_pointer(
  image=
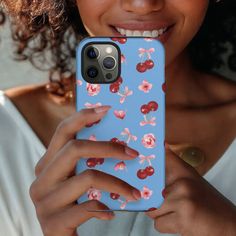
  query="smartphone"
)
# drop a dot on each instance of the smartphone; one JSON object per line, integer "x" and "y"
{"x": 126, "y": 73}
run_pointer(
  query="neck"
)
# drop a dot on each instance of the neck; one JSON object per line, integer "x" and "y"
{"x": 181, "y": 81}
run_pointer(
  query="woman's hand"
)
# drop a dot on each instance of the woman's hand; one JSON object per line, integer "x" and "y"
{"x": 56, "y": 188}
{"x": 192, "y": 207}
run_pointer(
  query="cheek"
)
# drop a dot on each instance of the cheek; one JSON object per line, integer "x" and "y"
{"x": 91, "y": 12}
{"x": 191, "y": 14}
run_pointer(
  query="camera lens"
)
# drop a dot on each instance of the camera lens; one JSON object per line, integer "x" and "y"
{"x": 92, "y": 53}
{"x": 109, "y": 63}
{"x": 92, "y": 72}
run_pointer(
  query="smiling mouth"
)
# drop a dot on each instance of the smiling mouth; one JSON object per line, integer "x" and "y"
{"x": 155, "y": 33}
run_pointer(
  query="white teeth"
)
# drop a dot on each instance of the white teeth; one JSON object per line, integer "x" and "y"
{"x": 137, "y": 33}
{"x": 153, "y": 33}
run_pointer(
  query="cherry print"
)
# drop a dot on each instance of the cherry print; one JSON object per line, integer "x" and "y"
{"x": 114, "y": 140}
{"x": 141, "y": 67}
{"x": 114, "y": 39}
{"x": 152, "y": 106}
{"x": 145, "y": 109}
{"x": 114, "y": 88}
{"x": 114, "y": 196}
{"x": 122, "y": 40}
{"x": 91, "y": 162}
{"x": 149, "y": 64}
{"x": 99, "y": 161}
{"x": 142, "y": 174}
{"x": 119, "y": 81}
{"x": 149, "y": 170}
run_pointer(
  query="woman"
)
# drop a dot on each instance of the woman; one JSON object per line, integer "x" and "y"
{"x": 201, "y": 114}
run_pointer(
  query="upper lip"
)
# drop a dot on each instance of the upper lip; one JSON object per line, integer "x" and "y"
{"x": 143, "y": 26}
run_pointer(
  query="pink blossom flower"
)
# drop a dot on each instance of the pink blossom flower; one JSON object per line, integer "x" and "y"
{"x": 92, "y": 138}
{"x": 146, "y": 193}
{"x": 123, "y": 59}
{"x": 149, "y": 140}
{"x": 93, "y": 89}
{"x": 120, "y": 166}
{"x": 94, "y": 194}
{"x": 120, "y": 114}
{"x": 145, "y": 86}
{"x": 79, "y": 82}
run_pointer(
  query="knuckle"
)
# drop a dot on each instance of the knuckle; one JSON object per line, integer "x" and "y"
{"x": 95, "y": 204}
{"x": 38, "y": 168}
{"x": 62, "y": 127}
{"x": 33, "y": 192}
{"x": 91, "y": 175}
{"x": 75, "y": 144}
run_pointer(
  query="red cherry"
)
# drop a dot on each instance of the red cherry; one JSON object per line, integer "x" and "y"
{"x": 149, "y": 64}
{"x": 114, "y": 196}
{"x": 114, "y": 88}
{"x": 119, "y": 81}
{"x": 142, "y": 174}
{"x": 114, "y": 39}
{"x": 114, "y": 140}
{"x": 122, "y": 143}
{"x": 141, "y": 67}
{"x": 145, "y": 109}
{"x": 152, "y": 106}
{"x": 91, "y": 162}
{"x": 149, "y": 170}
{"x": 122, "y": 40}
{"x": 99, "y": 161}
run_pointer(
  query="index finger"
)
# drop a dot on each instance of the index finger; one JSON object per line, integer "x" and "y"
{"x": 66, "y": 131}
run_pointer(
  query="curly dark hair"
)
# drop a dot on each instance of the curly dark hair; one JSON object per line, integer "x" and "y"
{"x": 52, "y": 28}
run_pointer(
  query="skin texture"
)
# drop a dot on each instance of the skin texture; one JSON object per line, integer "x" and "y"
{"x": 195, "y": 102}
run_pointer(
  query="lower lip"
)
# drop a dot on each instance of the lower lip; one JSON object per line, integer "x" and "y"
{"x": 163, "y": 38}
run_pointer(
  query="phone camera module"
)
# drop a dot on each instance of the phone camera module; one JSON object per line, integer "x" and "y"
{"x": 109, "y": 63}
{"x": 92, "y": 53}
{"x": 92, "y": 72}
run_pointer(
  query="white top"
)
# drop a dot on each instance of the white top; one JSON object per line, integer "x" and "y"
{"x": 20, "y": 150}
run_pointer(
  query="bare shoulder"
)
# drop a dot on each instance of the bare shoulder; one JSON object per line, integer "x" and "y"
{"x": 25, "y": 92}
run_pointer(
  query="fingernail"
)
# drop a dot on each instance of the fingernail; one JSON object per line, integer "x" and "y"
{"x": 163, "y": 193}
{"x": 152, "y": 209}
{"x": 136, "y": 193}
{"x": 167, "y": 145}
{"x": 102, "y": 109}
{"x": 131, "y": 152}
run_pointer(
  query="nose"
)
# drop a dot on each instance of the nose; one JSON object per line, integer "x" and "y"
{"x": 142, "y": 7}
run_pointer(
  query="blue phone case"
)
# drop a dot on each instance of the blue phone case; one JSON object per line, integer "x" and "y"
{"x": 137, "y": 118}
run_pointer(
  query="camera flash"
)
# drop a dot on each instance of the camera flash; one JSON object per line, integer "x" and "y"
{"x": 109, "y": 50}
